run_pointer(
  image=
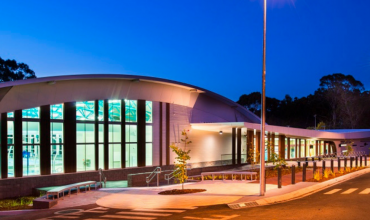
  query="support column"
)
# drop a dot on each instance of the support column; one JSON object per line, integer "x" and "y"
{"x": 250, "y": 146}
{"x": 96, "y": 133}
{"x": 305, "y": 148}
{"x": 141, "y": 151}
{"x": 268, "y": 146}
{"x": 4, "y": 145}
{"x": 167, "y": 133}
{"x": 317, "y": 148}
{"x": 282, "y": 146}
{"x": 69, "y": 154}
{"x": 106, "y": 136}
{"x": 123, "y": 134}
{"x": 273, "y": 142}
{"x": 18, "y": 159}
{"x": 288, "y": 149}
{"x": 258, "y": 145}
{"x": 160, "y": 133}
{"x": 233, "y": 139}
{"x": 239, "y": 146}
{"x": 45, "y": 151}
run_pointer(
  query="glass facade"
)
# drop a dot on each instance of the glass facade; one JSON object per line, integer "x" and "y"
{"x": 85, "y": 140}
{"x": 88, "y": 118}
{"x": 10, "y": 148}
{"x": 85, "y": 111}
{"x": 292, "y": 147}
{"x": 131, "y": 110}
{"x": 30, "y": 144}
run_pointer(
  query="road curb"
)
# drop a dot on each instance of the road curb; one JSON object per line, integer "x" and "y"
{"x": 298, "y": 193}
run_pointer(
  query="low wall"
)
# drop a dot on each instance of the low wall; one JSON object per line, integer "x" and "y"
{"x": 139, "y": 179}
{"x": 26, "y": 186}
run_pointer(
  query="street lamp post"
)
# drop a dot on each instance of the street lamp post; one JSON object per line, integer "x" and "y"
{"x": 263, "y": 102}
{"x": 315, "y": 122}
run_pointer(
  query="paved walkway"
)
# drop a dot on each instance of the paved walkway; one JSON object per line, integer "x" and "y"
{"x": 218, "y": 192}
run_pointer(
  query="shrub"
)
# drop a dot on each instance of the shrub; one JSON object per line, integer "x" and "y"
{"x": 317, "y": 175}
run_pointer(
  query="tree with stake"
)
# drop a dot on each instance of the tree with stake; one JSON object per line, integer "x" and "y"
{"x": 181, "y": 160}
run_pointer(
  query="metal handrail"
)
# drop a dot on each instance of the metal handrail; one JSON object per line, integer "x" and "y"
{"x": 149, "y": 178}
{"x": 101, "y": 174}
{"x": 171, "y": 175}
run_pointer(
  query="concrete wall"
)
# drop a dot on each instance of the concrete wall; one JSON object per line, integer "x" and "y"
{"x": 206, "y": 146}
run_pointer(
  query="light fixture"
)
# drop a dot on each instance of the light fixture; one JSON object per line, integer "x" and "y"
{"x": 220, "y": 132}
{"x": 135, "y": 80}
{"x": 51, "y": 82}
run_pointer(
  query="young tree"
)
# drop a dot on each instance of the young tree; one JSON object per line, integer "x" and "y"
{"x": 10, "y": 70}
{"x": 181, "y": 160}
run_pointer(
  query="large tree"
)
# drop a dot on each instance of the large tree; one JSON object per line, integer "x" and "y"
{"x": 343, "y": 93}
{"x": 11, "y": 70}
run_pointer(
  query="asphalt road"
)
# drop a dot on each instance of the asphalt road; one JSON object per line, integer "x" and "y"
{"x": 348, "y": 200}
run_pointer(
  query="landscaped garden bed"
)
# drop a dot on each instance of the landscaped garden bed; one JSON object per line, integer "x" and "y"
{"x": 17, "y": 203}
{"x": 181, "y": 191}
{"x": 328, "y": 174}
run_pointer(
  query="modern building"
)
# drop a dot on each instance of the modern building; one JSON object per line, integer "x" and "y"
{"x": 57, "y": 126}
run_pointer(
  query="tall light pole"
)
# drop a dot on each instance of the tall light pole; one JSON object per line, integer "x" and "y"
{"x": 315, "y": 122}
{"x": 263, "y": 112}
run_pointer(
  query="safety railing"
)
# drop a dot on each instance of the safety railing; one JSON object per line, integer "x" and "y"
{"x": 151, "y": 176}
{"x": 171, "y": 175}
{"x": 102, "y": 177}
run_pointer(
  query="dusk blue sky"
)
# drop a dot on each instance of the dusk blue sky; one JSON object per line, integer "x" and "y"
{"x": 212, "y": 44}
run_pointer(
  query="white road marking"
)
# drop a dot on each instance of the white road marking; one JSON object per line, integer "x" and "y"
{"x": 349, "y": 191}
{"x": 143, "y": 213}
{"x": 95, "y": 211}
{"x": 333, "y": 191}
{"x": 366, "y": 191}
{"x": 218, "y": 217}
{"x": 159, "y": 210}
{"x": 128, "y": 217}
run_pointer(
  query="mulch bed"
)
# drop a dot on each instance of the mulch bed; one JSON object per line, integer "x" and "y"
{"x": 337, "y": 174}
{"x": 180, "y": 191}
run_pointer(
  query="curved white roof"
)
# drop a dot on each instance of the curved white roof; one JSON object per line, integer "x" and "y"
{"x": 23, "y": 94}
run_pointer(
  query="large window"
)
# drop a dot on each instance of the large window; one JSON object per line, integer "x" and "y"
{"x": 85, "y": 146}
{"x": 131, "y": 145}
{"x": 114, "y": 137}
{"x": 56, "y": 147}
{"x": 10, "y": 146}
{"x": 114, "y": 112}
{"x": 131, "y": 110}
{"x": 31, "y": 148}
{"x": 85, "y": 111}
{"x": 149, "y": 134}
{"x": 292, "y": 147}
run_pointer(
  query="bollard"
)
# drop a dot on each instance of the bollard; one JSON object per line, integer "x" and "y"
{"x": 345, "y": 163}
{"x": 312, "y": 158}
{"x": 360, "y": 161}
{"x": 279, "y": 177}
{"x": 365, "y": 161}
{"x": 306, "y": 159}
{"x": 350, "y": 161}
{"x": 323, "y": 167}
{"x": 293, "y": 174}
{"x": 356, "y": 162}
{"x": 338, "y": 164}
{"x": 299, "y": 163}
{"x": 314, "y": 168}
{"x": 319, "y": 158}
{"x": 304, "y": 172}
{"x": 332, "y": 165}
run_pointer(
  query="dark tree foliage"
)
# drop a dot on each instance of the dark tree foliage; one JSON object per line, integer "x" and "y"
{"x": 10, "y": 70}
{"x": 339, "y": 102}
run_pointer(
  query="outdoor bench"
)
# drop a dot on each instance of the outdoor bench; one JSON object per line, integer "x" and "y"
{"x": 61, "y": 189}
{"x": 241, "y": 173}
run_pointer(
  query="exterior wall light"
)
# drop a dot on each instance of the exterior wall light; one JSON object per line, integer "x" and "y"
{"x": 220, "y": 132}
